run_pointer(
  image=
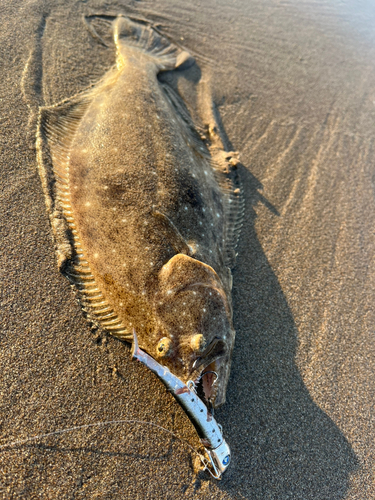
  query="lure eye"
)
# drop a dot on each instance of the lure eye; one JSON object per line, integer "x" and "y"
{"x": 164, "y": 347}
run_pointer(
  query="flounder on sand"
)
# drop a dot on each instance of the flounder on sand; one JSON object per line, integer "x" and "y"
{"x": 146, "y": 209}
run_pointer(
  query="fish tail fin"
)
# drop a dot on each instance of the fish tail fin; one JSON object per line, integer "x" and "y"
{"x": 141, "y": 36}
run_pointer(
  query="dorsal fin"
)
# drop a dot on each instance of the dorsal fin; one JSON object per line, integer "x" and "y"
{"x": 224, "y": 165}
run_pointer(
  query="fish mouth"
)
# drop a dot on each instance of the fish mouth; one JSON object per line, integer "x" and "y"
{"x": 206, "y": 370}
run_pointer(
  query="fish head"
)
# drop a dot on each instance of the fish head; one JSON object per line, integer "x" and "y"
{"x": 195, "y": 334}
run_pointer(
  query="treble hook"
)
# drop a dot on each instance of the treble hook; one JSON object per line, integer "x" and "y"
{"x": 206, "y": 373}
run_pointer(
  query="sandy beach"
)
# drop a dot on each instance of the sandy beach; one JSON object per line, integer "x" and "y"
{"x": 294, "y": 86}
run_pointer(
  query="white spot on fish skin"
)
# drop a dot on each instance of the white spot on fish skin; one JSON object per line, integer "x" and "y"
{"x": 203, "y": 209}
{"x": 87, "y": 204}
{"x": 75, "y": 187}
{"x": 124, "y": 265}
{"x": 217, "y": 215}
{"x": 121, "y": 303}
{"x": 83, "y": 151}
{"x": 123, "y": 220}
{"x": 204, "y": 310}
{"x": 96, "y": 255}
{"x": 169, "y": 292}
{"x": 200, "y": 223}
{"x": 186, "y": 208}
{"x": 105, "y": 187}
{"x": 113, "y": 250}
{"x": 205, "y": 172}
{"x": 114, "y": 209}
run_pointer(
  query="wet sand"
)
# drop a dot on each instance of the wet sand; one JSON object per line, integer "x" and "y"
{"x": 294, "y": 85}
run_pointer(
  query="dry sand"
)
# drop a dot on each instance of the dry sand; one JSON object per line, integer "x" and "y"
{"x": 294, "y": 82}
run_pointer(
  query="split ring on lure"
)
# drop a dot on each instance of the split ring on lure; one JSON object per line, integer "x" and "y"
{"x": 208, "y": 429}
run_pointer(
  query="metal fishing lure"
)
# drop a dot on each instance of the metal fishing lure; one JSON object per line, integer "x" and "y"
{"x": 209, "y": 431}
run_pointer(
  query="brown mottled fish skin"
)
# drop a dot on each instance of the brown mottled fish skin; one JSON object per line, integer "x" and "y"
{"x": 145, "y": 216}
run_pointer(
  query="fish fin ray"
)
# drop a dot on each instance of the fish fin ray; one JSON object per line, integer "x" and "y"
{"x": 57, "y": 125}
{"x": 224, "y": 166}
{"x": 55, "y": 132}
{"x": 141, "y": 35}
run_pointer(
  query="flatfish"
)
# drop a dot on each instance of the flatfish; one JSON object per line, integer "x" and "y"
{"x": 146, "y": 208}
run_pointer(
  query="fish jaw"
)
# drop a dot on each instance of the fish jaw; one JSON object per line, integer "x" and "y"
{"x": 195, "y": 331}
{"x": 211, "y": 379}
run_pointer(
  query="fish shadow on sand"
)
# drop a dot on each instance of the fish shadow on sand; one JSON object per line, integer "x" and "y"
{"x": 283, "y": 444}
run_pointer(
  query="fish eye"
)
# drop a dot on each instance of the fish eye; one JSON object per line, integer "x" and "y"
{"x": 163, "y": 347}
